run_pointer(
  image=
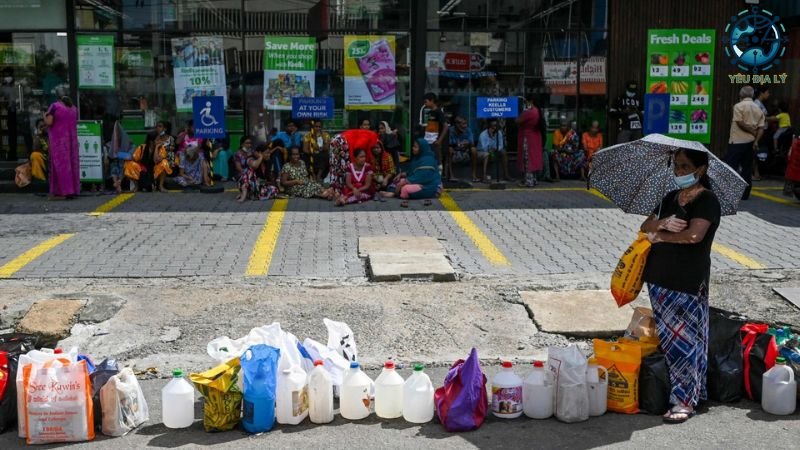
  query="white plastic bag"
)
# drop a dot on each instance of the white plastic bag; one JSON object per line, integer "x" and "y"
{"x": 223, "y": 349}
{"x": 123, "y": 404}
{"x": 37, "y": 359}
{"x": 341, "y": 339}
{"x": 569, "y": 373}
{"x": 333, "y": 362}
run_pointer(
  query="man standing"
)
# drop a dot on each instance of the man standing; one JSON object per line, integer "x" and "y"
{"x": 436, "y": 126}
{"x": 628, "y": 112}
{"x": 747, "y": 126}
{"x": 762, "y": 151}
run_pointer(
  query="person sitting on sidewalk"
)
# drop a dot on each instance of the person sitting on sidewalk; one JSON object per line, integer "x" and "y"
{"x": 592, "y": 142}
{"x": 461, "y": 148}
{"x": 297, "y": 181}
{"x": 254, "y": 183}
{"x": 38, "y": 155}
{"x": 568, "y": 156}
{"x": 193, "y": 169}
{"x": 359, "y": 183}
{"x": 420, "y": 178}
{"x": 491, "y": 140}
{"x": 385, "y": 170}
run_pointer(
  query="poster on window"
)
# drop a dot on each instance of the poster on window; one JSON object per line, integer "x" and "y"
{"x": 90, "y": 151}
{"x": 95, "y": 62}
{"x": 369, "y": 71}
{"x": 289, "y": 65}
{"x": 199, "y": 70}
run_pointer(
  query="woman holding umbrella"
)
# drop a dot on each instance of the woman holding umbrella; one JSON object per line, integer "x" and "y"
{"x": 681, "y": 229}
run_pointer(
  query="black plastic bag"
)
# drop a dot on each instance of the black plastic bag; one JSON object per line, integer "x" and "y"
{"x": 725, "y": 376}
{"x": 11, "y": 346}
{"x": 654, "y": 386}
{"x": 102, "y": 373}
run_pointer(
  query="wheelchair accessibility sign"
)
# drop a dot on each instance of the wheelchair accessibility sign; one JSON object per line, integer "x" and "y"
{"x": 209, "y": 117}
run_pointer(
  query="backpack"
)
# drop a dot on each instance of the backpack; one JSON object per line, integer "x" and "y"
{"x": 759, "y": 353}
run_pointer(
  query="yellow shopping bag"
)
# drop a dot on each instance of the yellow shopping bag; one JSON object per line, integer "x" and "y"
{"x": 622, "y": 362}
{"x": 222, "y": 398}
{"x": 626, "y": 281}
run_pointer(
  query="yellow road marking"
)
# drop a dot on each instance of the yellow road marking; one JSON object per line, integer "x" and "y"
{"x": 772, "y": 198}
{"x": 261, "y": 257}
{"x": 732, "y": 254}
{"x": 515, "y": 189}
{"x": 598, "y": 194}
{"x": 484, "y": 244}
{"x": 111, "y": 204}
{"x": 768, "y": 188}
{"x": 11, "y": 267}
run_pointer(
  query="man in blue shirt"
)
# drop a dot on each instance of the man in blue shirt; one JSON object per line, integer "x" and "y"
{"x": 462, "y": 148}
{"x": 492, "y": 140}
{"x": 291, "y": 137}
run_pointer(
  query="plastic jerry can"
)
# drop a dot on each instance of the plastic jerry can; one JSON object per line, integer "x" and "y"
{"x": 779, "y": 389}
{"x": 320, "y": 394}
{"x": 389, "y": 393}
{"x": 177, "y": 402}
{"x": 598, "y": 388}
{"x": 537, "y": 393}
{"x": 291, "y": 397}
{"x": 418, "y": 397}
{"x": 507, "y": 393}
{"x": 354, "y": 397}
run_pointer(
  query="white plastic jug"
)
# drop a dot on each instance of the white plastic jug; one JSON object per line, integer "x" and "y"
{"x": 418, "y": 397}
{"x": 291, "y": 397}
{"x": 389, "y": 393}
{"x": 779, "y": 389}
{"x": 507, "y": 393}
{"x": 598, "y": 388}
{"x": 177, "y": 402}
{"x": 537, "y": 393}
{"x": 354, "y": 399}
{"x": 320, "y": 394}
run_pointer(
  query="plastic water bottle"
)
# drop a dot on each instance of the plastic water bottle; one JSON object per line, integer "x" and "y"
{"x": 291, "y": 398}
{"x": 418, "y": 397}
{"x": 779, "y": 391}
{"x": 177, "y": 402}
{"x": 320, "y": 394}
{"x": 389, "y": 393}
{"x": 537, "y": 393}
{"x": 598, "y": 388}
{"x": 354, "y": 399}
{"x": 507, "y": 393}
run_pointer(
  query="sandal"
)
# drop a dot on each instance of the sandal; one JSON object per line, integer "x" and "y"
{"x": 678, "y": 414}
{"x": 404, "y": 204}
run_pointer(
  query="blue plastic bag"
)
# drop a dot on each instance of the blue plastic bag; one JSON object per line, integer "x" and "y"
{"x": 259, "y": 371}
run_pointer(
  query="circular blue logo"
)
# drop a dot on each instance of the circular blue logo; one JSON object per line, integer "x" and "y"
{"x": 755, "y": 40}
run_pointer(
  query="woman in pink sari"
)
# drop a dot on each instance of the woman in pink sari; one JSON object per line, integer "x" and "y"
{"x": 529, "y": 135}
{"x": 62, "y": 120}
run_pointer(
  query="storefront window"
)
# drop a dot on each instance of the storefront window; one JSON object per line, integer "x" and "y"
{"x": 320, "y": 20}
{"x": 33, "y": 15}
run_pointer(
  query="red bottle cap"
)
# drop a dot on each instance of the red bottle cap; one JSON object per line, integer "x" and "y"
{"x": 58, "y": 351}
{"x": 388, "y": 365}
{"x": 507, "y": 364}
{"x": 318, "y": 363}
{"x": 538, "y": 364}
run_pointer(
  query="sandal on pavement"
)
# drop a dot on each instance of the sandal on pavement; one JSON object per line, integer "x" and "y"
{"x": 404, "y": 204}
{"x": 678, "y": 414}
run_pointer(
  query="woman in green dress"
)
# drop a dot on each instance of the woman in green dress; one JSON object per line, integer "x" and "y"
{"x": 295, "y": 178}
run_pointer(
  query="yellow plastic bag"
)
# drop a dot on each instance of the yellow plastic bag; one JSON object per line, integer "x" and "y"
{"x": 223, "y": 400}
{"x": 649, "y": 345}
{"x": 626, "y": 281}
{"x": 622, "y": 362}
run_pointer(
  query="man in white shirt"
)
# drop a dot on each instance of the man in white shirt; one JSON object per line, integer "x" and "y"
{"x": 747, "y": 126}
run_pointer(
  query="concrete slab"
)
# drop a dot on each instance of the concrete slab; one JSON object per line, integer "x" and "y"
{"x": 398, "y": 244}
{"x": 790, "y": 294}
{"x": 585, "y": 313}
{"x": 51, "y": 319}
{"x": 100, "y": 308}
{"x": 396, "y": 267}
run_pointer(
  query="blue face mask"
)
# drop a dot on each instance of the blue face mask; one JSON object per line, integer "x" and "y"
{"x": 686, "y": 181}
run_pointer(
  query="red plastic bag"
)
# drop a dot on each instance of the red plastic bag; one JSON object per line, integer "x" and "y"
{"x": 760, "y": 351}
{"x": 793, "y": 164}
{"x": 462, "y": 403}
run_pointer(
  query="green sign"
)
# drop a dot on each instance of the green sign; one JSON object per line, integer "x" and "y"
{"x": 680, "y": 62}
{"x": 290, "y": 53}
{"x": 16, "y": 54}
{"x": 95, "y": 62}
{"x": 135, "y": 58}
{"x": 90, "y": 151}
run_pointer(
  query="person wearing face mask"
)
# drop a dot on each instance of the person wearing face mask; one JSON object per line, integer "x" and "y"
{"x": 193, "y": 169}
{"x": 628, "y": 112}
{"x": 681, "y": 230}
{"x": 163, "y": 154}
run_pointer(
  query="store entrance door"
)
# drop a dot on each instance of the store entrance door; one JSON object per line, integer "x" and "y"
{"x": 34, "y": 72}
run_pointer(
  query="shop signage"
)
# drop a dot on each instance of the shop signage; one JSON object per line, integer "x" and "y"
{"x": 680, "y": 62}
{"x": 198, "y": 69}
{"x": 498, "y": 107}
{"x": 208, "y": 114}
{"x": 370, "y": 76}
{"x": 312, "y": 107}
{"x": 95, "y": 62}
{"x": 656, "y": 113}
{"x": 90, "y": 150}
{"x": 16, "y": 54}
{"x": 289, "y": 67}
{"x": 562, "y": 76}
{"x": 135, "y": 58}
{"x": 454, "y": 61}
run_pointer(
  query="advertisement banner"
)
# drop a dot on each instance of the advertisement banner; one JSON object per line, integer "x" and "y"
{"x": 135, "y": 58}
{"x": 562, "y": 76}
{"x": 370, "y": 77}
{"x": 208, "y": 114}
{"x": 289, "y": 65}
{"x": 90, "y": 150}
{"x": 680, "y": 62}
{"x": 199, "y": 70}
{"x": 16, "y": 54}
{"x": 95, "y": 62}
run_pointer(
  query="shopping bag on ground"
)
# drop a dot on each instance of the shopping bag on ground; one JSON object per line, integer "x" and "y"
{"x": 102, "y": 373}
{"x": 626, "y": 281}
{"x": 654, "y": 386}
{"x": 647, "y": 345}
{"x": 622, "y": 360}
{"x": 222, "y": 397}
{"x": 123, "y": 404}
{"x": 58, "y": 402}
{"x": 224, "y": 349}
{"x": 569, "y": 366}
{"x": 341, "y": 339}
{"x": 642, "y": 324}
{"x": 724, "y": 376}
{"x": 462, "y": 403}
{"x": 12, "y": 345}
{"x": 36, "y": 359}
{"x": 760, "y": 351}
{"x": 333, "y": 362}
{"x": 260, "y": 374}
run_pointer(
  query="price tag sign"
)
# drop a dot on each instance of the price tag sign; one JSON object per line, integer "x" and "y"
{"x": 699, "y": 100}
{"x": 701, "y": 70}
{"x": 678, "y": 100}
{"x": 680, "y": 71}
{"x": 698, "y": 128}
{"x": 659, "y": 71}
{"x": 677, "y": 128}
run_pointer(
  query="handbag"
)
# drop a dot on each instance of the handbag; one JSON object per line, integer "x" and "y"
{"x": 626, "y": 281}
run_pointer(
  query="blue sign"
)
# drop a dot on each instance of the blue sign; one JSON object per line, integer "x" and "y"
{"x": 498, "y": 107}
{"x": 312, "y": 107}
{"x": 209, "y": 117}
{"x": 656, "y": 113}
